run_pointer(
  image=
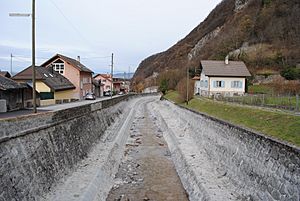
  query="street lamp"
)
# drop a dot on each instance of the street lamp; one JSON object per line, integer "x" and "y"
{"x": 33, "y": 48}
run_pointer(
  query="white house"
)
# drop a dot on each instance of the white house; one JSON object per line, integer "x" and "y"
{"x": 223, "y": 78}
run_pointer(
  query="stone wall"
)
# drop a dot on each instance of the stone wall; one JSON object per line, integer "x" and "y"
{"x": 261, "y": 168}
{"x": 37, "y": 150}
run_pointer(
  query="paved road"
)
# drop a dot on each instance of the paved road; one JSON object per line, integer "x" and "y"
{"x": 70, "y": 105}
{"x": 50, "y": 108}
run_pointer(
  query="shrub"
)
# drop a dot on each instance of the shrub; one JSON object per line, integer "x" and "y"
{"x": 291, "y": 73}
{"x": 163, "y": 86}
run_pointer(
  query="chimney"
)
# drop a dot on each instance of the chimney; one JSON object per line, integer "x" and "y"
{"x": 78, "y": 58}
{"x": 227, "y": 60}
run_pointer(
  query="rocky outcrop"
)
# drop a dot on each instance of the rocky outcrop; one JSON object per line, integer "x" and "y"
{"x": 241, "y": 4}
{"x": 196, "y": 50}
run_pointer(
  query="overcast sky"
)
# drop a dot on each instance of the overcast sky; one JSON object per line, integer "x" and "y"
{"x": 93, "y": 29}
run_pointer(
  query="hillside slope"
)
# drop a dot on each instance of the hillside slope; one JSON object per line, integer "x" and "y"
{"x": 262, "y": 33}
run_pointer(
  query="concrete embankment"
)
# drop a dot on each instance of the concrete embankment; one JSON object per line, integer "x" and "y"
{"x": 220, "y": 161}
{"x": 36, "y": 151}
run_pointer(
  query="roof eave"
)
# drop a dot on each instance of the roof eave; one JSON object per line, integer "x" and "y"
{"x": 63, "y": 89}
{"x": 228, "y": 75}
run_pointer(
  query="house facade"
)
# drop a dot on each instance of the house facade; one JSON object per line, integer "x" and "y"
{"x": 53, "y": 88}
{"x": 106, "y": 81}
{"x": 78, "y": 74}
{"x": 223, "y": 78}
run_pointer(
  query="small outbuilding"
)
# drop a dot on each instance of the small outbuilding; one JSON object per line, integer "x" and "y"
{"x": 14, "y": 95}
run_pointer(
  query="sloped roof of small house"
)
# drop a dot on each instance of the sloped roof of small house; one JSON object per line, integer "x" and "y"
{"x": 5, "y": 74}
{"x": 69, "y": 60}
{"x": 52, "y": 79}
{"x": 7, "y": 83}
{"x": 219, "y": 68}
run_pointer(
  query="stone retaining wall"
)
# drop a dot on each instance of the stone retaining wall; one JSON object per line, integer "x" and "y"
{"x": 262, "y": 168}
{"x": 37, "y": 150}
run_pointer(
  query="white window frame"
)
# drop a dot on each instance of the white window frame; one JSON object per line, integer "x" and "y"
{"x": 59, "y": 67}
{"x": 236, "y": 84}
{"x": 219, "y": 84}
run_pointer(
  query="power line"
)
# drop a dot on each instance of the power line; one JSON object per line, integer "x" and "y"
{"x": 104, "y": 57}
{"x": 70, "y": 23}
{"x": 28, "y": 57}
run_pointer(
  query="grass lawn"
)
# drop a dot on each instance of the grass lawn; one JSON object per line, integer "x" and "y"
{"x": 279, "y": 125}
{"x": 260, "y": 89}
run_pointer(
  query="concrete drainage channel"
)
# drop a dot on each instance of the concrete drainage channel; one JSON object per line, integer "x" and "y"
{"x": 155, "y": 150}
{"x": 132, "y": 162}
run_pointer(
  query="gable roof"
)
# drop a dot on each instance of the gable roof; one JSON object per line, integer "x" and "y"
{"x": 106, "y": 76}
{"x": 70, "y": 61}
{"x": 5, "y": 74}
{"x": 219, "y": 68}
{"x": 52, "y": 79}
{"x": 7, "y": 83}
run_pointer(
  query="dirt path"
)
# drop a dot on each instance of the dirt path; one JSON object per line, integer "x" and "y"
{"x": 147, "y": 171}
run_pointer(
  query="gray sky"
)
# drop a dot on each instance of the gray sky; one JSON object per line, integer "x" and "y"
{"x": 93, "y": 29}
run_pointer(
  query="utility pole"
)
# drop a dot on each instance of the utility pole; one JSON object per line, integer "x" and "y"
{"x": 33, "y": 49}
{"x": 128, "y": 77}
{"x": 112, "y": 71}
{"x": 33, "y": 57}
{"x": 11, "y": 57}
{"x": 187, "y": 85}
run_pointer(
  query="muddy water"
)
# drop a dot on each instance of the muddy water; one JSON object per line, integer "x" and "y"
{"x": 147, "y": 171}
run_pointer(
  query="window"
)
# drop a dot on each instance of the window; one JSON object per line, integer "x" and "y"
{"x": 86, "y": 80}
{"x": 46, "y": 95}
{"x": 206, "y": 84}
{"x": 236, "y": 84}
{"x": 45, "y": 75}
{"x": 219, "y": 84}
{"x": 50, "y": 75}
{"x": 59, "y": 67}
